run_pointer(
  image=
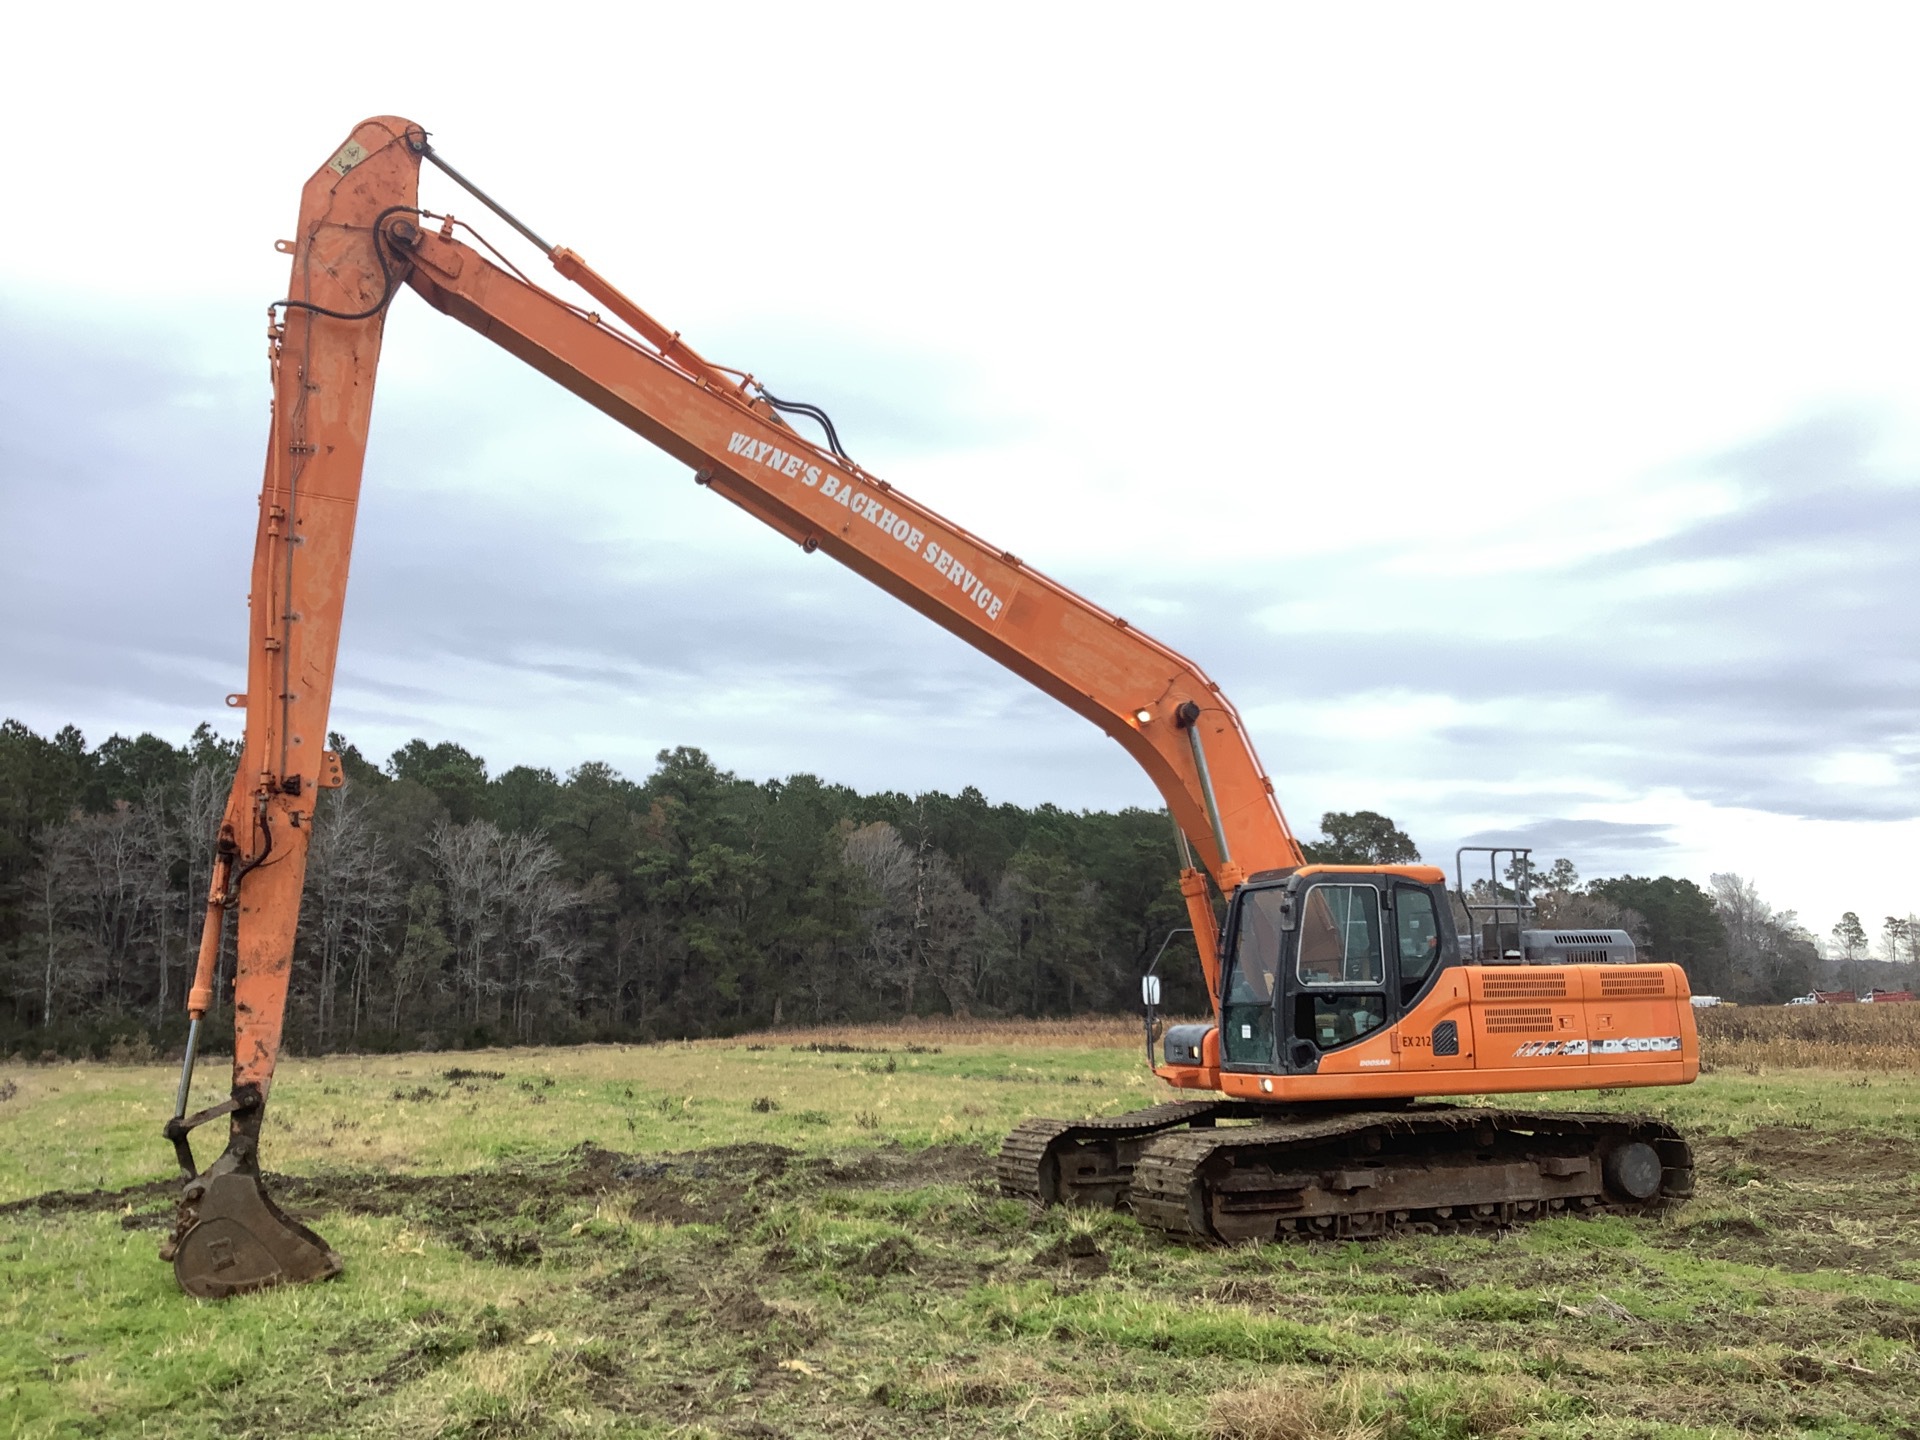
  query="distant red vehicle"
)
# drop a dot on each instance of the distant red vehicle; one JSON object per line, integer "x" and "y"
{"x": 1887, "y": 997}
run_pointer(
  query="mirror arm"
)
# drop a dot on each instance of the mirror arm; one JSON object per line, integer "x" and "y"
{"x": 1150, "y": 991}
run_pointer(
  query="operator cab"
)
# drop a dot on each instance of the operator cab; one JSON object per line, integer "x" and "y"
{"x": 1324, "y": 957}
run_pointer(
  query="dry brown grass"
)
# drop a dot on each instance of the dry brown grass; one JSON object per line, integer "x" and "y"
{"x": 1882, "y": 1038}
{"x": 1306, "y": 1408}
{"x": 1732, "y": 1037}
{"x": 1082, "y": 1032}
{"x": 1313, "y": 1405}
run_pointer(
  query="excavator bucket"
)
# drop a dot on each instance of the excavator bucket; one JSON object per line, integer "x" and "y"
{"x": 228, "y": 1235}
{"x": 231, "y": 1238}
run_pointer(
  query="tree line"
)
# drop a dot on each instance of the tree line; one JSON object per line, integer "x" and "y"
{"x": 449, "y": 906}
{"x": 1731, "y": 941}
{"x": 446, "y": 905}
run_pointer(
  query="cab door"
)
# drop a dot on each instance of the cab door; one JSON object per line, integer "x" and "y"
{"x": 1338, "y": 986}
{"x": 1435, "y": 1030}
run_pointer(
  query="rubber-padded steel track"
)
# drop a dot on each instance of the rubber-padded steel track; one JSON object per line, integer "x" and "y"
{"x": 1423, "y": 1168}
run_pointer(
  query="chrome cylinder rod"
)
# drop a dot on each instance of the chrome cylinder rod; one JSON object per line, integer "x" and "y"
{"x": 1206, "y": 788}
{"x": 426, "y": 152}
{"x": 1180, "y": 840}
{"x": 186, "y": 1069}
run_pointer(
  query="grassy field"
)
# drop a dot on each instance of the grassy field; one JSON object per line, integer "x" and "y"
{"x": 796, "y": 1235}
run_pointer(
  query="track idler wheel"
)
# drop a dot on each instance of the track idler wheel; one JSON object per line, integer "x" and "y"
{"x": 1633, "y": 1170}
{"x": 231, "y": 1238}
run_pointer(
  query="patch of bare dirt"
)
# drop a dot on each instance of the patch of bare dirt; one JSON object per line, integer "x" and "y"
{"x": 496, "y": 1214}
{"x": 1814, "y": 1153}
{"x": 67, "y": 1202}
{"x": 894, "y": 1167}
{"x": 1838, "y": 1200}
{"x": 1426, "y": 1278}
{"x": 891, "y": 1256}
{"x": 1080, "y": 1254}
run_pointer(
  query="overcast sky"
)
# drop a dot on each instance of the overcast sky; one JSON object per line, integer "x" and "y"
{"x": 1514, "y": 407}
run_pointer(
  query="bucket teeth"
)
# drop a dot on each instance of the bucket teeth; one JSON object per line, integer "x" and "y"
{"x": 231, "y": 1238}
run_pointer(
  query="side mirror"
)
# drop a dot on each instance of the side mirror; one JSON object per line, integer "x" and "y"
{"x": 1150, "y": 991}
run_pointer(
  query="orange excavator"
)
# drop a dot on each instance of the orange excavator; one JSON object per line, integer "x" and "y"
{"x": 1343, "y": 996}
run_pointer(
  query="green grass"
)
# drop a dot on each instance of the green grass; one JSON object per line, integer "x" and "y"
{"x": 865, "y": 1279}
{"x": 88, "y": 1126}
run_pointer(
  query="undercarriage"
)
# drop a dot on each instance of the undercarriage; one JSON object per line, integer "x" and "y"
{"x": 1230, "y": 1170}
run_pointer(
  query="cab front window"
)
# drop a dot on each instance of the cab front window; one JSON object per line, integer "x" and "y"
{"x": 1256, "y": 955}
{"x": 1246, "y": 1034}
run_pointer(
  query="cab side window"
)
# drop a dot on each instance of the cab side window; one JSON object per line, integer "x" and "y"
{"x": 1334, "y": 1020}
{"x": 1417, "y": 930}
{"x": 1340, "y": 936}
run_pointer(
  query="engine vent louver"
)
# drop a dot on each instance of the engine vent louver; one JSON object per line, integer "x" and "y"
{"x": 1520, "y": 1020}
{"x": 1576, "y": 947}
{"x": 1630, "y": 986}
{"x": 1525, "y": 987}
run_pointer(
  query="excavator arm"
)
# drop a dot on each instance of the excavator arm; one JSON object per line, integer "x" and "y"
{"x": 361, "y": 236}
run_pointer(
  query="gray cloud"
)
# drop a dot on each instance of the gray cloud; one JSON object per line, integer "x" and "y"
{"x": 546, "y": 589}
{"x": 506, "y": 589}
{"x": 1600, "y": 839}
{"x": 1805, "y": 643}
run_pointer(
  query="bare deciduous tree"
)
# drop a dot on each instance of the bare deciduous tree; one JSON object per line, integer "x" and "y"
{"x": 884, "y": 864}
{"x": 351, "y": 891}
{"x": 922, "y": 924}
{"x": 506, "y": 909}
{"x": 1771, "y": 956}
{"x": 462, "y": 856}
{"x": 540, "y": 947}
{"x": 110, "y": 863}
{"x": 947, "y": 923}
{"x": 419, "y": 966}
{"x": 60, "y": 962}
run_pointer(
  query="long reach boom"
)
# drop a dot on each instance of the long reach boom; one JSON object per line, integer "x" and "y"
{"x": 361, "y": 236}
